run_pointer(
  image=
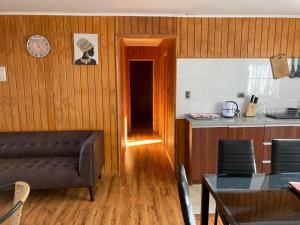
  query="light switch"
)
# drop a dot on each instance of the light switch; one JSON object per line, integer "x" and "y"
{"x": 187, "y": 94}
{"x": 2, "y": 73}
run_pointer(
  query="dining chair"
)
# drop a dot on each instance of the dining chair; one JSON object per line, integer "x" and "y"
{"x": 235, "y": 157}
{"x": 285, "y": 155}
{"x": 184, "y": 196}
{"x": 21, "y": 192}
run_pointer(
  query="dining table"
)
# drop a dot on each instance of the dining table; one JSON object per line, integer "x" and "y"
{"x": 258, "y": 198}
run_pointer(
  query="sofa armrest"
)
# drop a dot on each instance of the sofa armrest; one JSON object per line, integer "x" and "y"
{"x": 91, "y": 159}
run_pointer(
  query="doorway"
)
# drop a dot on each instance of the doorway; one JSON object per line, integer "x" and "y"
{"x": 147, "y": 95}
{"x": 141, "y": 96}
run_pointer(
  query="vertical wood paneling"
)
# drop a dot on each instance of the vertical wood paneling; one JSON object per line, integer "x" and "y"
{"x": 271, "y": 38}
{"x": 6, "y": 112}
{"x": 53, "y": 94}
{"x": 62, "y": 81}
{"x": 191, "y": 37}
{"x": 46, "y": 71}
{"x": 25, "y": 72}
{"x": 91, "y": 82}
{"x": 77, "y": 82}
{"x": 204, "y": 37}
{"x": 278, "y": 34}
{"x": 35, "y": 27}
{"x": 224, "y": 43}
{"x": 84, "y": 81}
{"x": 284, "y": 35}
{"x": 291, "y": 37}
{"x": 16, "y": 46}
{"x": 197, "y": 45}
{"x": 251, "y": 37}
{"x": 55, "y": 73}
{"x": 245, "y": 36}
{"x": 184, "y": 37}
{"x": 297, "y": 38}
{"x": 149, "y": 25}
{"x": 142, "y": 25}
{"x": 257, "y": 41}
{"x": 211, "y": 37}
{"x": 69, "y": 73}
{"x": 264, "y": 37}
{"x": 112, "y": 91}
{"x": 105, "y": 85}
{"x": 238, "y": 37}
{"x": 231, "y": 38}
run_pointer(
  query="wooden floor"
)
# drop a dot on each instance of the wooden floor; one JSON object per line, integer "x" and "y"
{"x": 145, "y": 195}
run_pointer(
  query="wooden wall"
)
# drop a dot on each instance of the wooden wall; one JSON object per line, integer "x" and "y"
{"x": 53, "y": 94}
{"x": 237, "y": 37}
{"x": 221, "y": 37}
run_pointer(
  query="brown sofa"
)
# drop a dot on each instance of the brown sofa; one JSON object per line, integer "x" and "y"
{"x": 49, "y": 160}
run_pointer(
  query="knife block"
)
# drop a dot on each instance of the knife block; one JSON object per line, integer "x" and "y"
{"x": 251, "y": 111}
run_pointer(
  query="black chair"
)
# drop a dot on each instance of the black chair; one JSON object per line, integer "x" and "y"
{"x": 235, "y": 157}
{"x": 285, "y": 156}
{"x": 184, "y": 196}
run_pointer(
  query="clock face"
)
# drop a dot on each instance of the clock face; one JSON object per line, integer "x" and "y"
{"x": 38, "y": 46}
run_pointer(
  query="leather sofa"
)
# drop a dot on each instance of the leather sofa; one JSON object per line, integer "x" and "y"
{"x": 56, "y": 159}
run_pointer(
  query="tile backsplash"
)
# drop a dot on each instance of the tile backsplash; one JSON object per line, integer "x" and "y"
{"x": 213, "y": 81}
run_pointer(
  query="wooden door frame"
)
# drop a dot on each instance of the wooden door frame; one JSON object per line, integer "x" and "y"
{"x": 119, "y": 38}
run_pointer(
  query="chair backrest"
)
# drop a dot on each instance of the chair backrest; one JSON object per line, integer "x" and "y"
{"x": 184, "y": 196}
{"x": 21, "y": 193}
{"x": 285, "y": 155}
{"x": 236, "y": 157}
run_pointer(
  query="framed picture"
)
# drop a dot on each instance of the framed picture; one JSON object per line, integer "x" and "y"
{"x": 86, "y": 49}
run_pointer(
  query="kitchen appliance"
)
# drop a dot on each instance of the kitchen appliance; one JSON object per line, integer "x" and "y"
{"x": 230, "y": 109}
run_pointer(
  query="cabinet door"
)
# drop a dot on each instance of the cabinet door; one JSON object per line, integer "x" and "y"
{"x": 283, "y": 132}
{"x": 254, "y": 133}
{"x": 204, "y": 155}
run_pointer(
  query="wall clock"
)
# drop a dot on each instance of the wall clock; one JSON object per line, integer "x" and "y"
{"x": 38, "y": 46}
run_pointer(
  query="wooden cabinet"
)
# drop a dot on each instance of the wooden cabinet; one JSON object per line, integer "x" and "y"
{"x": 248, "y": 133}
{"x": 201, "y": 152}
{"x": 273, "y": 132}
{"x": 204, "y": 151}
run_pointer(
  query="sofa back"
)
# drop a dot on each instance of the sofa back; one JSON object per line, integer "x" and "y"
{"x": 42, "y": 143}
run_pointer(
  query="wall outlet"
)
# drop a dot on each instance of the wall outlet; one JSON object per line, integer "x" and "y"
{"x": 187, "y": 94}
{"x": 240, "y": 95}
{"x": 2, "y": 73}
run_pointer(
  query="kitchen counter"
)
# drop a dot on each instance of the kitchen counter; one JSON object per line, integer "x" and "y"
{"x": 258, "y": 121}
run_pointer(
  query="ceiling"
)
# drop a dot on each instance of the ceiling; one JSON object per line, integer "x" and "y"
{"x": 284, "y": 8}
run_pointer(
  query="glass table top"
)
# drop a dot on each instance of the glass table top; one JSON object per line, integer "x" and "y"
{"x": 257, "y": 198}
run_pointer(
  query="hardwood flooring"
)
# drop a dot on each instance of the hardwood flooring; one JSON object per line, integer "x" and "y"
{"x": 145, "y": 195}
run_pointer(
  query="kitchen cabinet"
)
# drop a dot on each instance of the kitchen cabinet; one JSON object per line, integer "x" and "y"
{"x": 248, "y": 133}
{"x": 204, "y": 151}
{"x": 276, "y": 132}
{"x": 201, "y": 152}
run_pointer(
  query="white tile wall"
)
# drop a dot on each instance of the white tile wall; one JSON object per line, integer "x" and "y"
{"x": 213, "y": 81}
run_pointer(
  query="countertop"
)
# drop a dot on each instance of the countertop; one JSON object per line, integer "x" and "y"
{"x": 242, "y": 121}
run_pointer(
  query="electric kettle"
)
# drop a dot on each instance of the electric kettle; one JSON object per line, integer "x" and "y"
{"x": 230, "y": 109}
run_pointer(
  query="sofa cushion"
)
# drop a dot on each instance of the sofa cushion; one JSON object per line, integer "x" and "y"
{"x": 41, "y": 144}
{"x": 42, "y": 172}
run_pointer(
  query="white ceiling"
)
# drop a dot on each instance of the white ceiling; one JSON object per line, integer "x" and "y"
{"x": 284, "y": 8}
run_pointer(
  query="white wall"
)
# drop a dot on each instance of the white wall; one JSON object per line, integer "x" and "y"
{"x": 213, "y": 81}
